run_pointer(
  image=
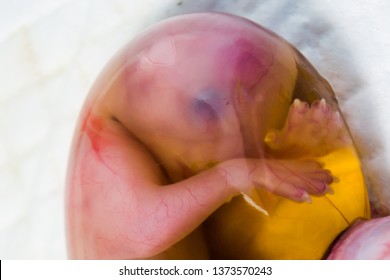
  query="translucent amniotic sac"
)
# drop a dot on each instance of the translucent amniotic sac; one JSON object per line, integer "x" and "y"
{"x": 210, "y": 137}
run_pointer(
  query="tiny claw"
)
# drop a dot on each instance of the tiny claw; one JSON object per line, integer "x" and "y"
{"x": 323, "y": 106}
{"x": 320, "y": 104}
{"x": 335, "y": 179}
{"x": 329, "y": 190}
{"x": 306, "y": 198}
{"x": 321, "y": 163}
{"x": 324, "y": 188}
{"x": 270, "y": 137}
{"x": 300, "y": 106}
{"x": 297, "y": 102}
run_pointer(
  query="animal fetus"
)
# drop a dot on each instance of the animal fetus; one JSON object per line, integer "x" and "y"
{"x": 208, "y": 136}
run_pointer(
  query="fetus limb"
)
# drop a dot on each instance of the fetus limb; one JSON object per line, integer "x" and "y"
{"x": 309, "y": 131}
{"x": 125, "y": 208}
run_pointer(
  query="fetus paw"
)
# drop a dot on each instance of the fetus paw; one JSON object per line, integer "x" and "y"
{"x": 297, "y": 179}
{"x": 309, "y": 131}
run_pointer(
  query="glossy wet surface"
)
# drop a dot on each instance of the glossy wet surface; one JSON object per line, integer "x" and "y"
{"x": 205, "y": 131}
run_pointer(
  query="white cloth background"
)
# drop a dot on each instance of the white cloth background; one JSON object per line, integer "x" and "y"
{"x": 51, "y": 52}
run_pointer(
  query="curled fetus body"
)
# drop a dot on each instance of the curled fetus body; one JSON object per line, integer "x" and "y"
{"x": 202, "y": 123}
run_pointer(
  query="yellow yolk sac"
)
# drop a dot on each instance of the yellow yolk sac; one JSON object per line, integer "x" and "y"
{"x": 292, "y": 230}
{"x": 210, "y": 137}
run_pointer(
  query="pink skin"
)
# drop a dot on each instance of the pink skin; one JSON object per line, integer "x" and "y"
{"x": 366, "y": 240}
{"x": 174, "y": 128}
{"x": 323, "y": 129}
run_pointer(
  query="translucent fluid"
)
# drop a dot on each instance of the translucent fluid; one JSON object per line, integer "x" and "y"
{"x": 210, "y": 137}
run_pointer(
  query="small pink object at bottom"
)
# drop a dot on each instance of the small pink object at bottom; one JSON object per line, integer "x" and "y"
{"x": 367, "y": 240}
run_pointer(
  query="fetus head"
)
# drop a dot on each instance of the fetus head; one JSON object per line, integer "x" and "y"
{"x": 205, "y": 87}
